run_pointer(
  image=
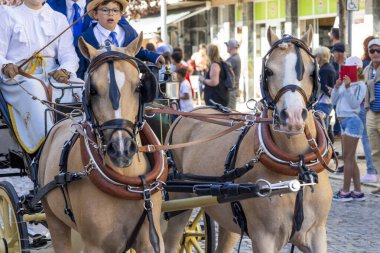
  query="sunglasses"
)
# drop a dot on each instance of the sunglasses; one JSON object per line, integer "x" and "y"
{"x": 372, "y": 51}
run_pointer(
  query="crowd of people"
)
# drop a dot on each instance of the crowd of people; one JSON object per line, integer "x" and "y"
{"x": 349, "y": 86}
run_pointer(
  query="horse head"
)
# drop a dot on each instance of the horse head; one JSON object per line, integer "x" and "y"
{"x": 289, "y": 80}
{"x": 114, "y": 97}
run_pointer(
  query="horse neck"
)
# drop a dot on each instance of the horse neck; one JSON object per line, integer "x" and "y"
{"x": 296, "y": 144}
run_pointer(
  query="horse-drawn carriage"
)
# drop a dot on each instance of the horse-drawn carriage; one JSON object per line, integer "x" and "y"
{"x": 102, "y": 169}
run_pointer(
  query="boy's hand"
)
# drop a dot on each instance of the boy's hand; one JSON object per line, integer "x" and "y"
{"x": 347, "y": 81}
{"x": 60, "y": 75}
{"x": 10, "y": 70}
{"x": 160, "y": 61}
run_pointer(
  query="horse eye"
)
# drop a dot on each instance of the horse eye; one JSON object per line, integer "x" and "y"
{"x": 93, "y": 91}
{"x": 269, "y": 72}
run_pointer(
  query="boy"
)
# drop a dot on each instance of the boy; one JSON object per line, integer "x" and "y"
{"x": 108, "y": 13}
{"x": 185, "y": 97}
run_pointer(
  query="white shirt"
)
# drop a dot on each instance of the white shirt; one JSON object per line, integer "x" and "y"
{"x": 185, "y": 104}
{"x": 70, "y": 9}
{"x": 102, "y": 34}
{"x": 24, "y": 31}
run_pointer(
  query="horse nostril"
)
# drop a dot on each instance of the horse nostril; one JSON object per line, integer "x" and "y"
{"x": 283, "y": 115}
{"x": 112, "y": 149}
{"x": 304, "y": 114}
{"x": 130, "y": 146}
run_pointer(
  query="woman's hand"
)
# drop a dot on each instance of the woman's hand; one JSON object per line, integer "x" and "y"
{"x": 60, "y": 75}
{"x": 347, "y": 81}
{"x": 338, "y": 83}
{"x": 10, "y": 70}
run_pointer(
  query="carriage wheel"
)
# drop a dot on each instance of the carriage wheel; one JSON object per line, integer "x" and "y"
{"x": 199, "y": 234}
{"x": 13, "y": 230}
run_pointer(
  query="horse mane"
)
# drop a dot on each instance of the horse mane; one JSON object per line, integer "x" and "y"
{"x": 284, "y": 45}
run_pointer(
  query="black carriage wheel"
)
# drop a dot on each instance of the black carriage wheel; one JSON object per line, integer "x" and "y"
{"x": 13, "y": 229}
{"x": 199, "y": 234}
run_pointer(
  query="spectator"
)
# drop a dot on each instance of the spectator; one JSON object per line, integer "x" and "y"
{"x": 109, "y": 28}
{"x": 347, "y": 96}
{"x": 150, "y": 47}
{"x": 365, "y": 57}
{"x": 371, "y": 176}
{"x": 372, "y": 102}
{"x": 185, "y": 94}
{"x": 327, "y": 77}
{"x": 334, "y": 36}
{"x": 234, "y": 60}
{"x": 199, "y": 60}
{"x": 178, "y": 63}
{"x": 339, "y": 57}
{"x": 166, "y": 51}
{"x": 214, "y": 91}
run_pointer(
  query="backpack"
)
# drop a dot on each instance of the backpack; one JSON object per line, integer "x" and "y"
{"x": 227, "y": 76}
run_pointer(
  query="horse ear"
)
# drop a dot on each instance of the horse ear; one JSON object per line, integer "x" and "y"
{"x": 308, "y": 36}
{"x": 134, "y": 47}
{"x": 272, "y": 37}
{"x": 86, "y": 49}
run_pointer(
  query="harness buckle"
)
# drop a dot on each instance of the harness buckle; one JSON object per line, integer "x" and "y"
{"x": 151, "y": 148}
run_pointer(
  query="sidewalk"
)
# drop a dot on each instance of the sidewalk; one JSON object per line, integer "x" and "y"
{"x": 359, "y": 158}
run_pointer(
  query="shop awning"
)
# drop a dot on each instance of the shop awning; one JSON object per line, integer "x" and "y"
{"x": 149, "y": 25}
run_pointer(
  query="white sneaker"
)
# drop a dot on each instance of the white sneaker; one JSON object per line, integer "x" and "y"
{"x": 369, "y": 178}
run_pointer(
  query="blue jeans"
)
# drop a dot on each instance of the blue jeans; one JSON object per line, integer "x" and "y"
{"x": 366, "y": 146}
{"x": 326, "y": 108}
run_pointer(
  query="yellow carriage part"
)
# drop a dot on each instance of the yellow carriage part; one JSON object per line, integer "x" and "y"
{"x": 13, "y": 231}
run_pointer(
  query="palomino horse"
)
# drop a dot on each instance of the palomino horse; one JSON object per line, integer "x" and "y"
{"x": 290, "y": 88}
{"x": 103, "y": 207}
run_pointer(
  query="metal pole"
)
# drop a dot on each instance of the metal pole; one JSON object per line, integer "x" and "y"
{"x": 349, "y": 31}
{"x": 164, "y": 29}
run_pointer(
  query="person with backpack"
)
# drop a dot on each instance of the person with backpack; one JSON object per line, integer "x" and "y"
{"x": 214, "y": 90}
{"x": 235, "y": 62}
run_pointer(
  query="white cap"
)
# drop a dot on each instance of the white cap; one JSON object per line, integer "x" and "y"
{"x": 354, "y": 60}
{"x": 374, "y": 42}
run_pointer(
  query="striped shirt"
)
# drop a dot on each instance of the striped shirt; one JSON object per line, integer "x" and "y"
{"x": 375, "y": 105}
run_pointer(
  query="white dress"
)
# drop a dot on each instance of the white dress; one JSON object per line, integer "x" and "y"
{"x": 23, "y": 32}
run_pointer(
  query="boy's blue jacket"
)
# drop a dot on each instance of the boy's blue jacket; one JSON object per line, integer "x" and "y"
{"x": 130, "y": 35}
{"x": 88, "y": 35}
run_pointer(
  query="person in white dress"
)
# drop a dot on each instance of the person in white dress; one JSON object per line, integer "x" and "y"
{"x": 24, "y": 30}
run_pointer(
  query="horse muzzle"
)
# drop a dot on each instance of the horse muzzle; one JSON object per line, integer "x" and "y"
{"x": 290, "y": 121}
{"x": 121, "y": 151}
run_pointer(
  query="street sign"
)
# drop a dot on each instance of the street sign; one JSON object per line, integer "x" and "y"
{"x": 352, "y": 5}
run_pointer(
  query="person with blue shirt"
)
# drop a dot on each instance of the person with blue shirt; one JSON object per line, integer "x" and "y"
{"x": 372, "y": 103}
{"x": 108, "y": 13}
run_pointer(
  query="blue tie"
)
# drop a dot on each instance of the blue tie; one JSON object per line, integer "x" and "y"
{"x": 77, "y": 28}
{"x": 114, "y": 39}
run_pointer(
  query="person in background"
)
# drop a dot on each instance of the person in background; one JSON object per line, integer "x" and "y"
{"x": 327, "y": 77}
{"x": 199, "y": 60}
{"x": 108, "y": 13}
{"x": 165, "y": 50}
{"x": 234, "y": 60}
{"x": 178, "y": 63}
{"x": 185, "y": 94}
{"x": 372, "y": 103}
{"x": 150, "y": 47}
{"x": 339, "y": 57}
{"x": 371, "y": 175}
{"x": 334, "y": 36}
{"x": 213, "y": 90}
{"x": 347, "y": 96}
{"x": 365, "y": 57}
